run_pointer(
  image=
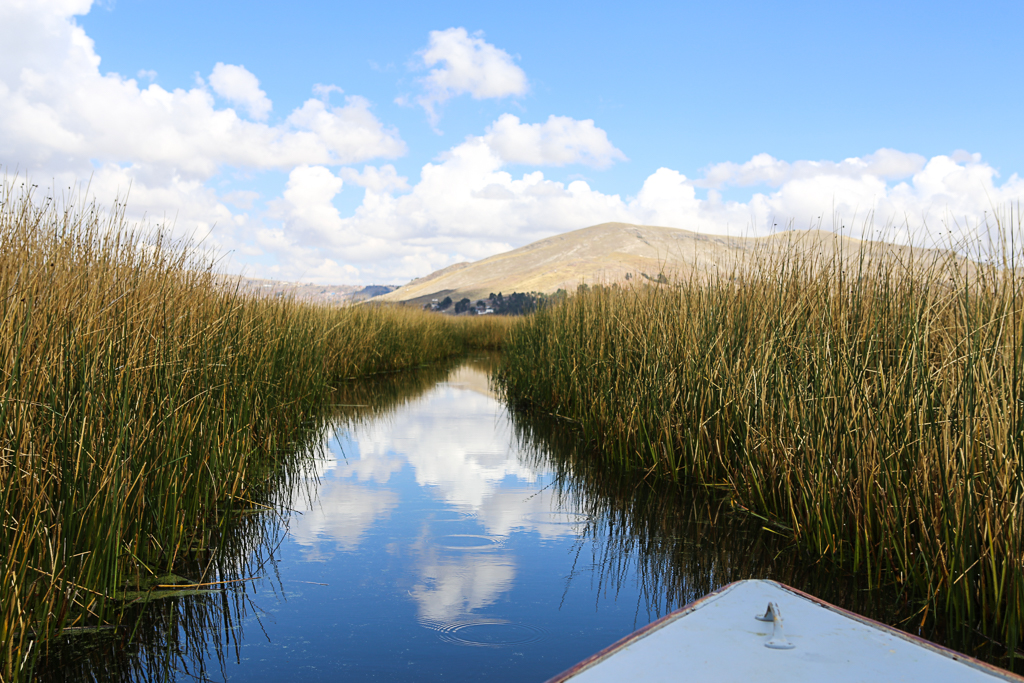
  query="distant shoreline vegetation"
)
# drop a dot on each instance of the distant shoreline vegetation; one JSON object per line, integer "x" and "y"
{"x": 869, "y": 406}
{"x": 516, "y": 303}
{"x": 145, "y": 408}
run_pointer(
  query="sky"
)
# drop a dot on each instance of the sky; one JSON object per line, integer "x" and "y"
{"x": 372, "y": 143}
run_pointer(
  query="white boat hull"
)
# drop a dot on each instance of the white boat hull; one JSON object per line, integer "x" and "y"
{"x": 726, "y": 636}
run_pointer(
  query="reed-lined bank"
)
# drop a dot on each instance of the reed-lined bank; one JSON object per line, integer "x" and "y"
{"x": 202, "y": 632}
{"x": 872, "y": 408}
{"x": 679, "y": 542}
{"x": 141, "y": 404}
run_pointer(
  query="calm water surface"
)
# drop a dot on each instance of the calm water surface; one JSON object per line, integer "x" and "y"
{"x": 432, "y": 550}
{"x": 432, "y": 535}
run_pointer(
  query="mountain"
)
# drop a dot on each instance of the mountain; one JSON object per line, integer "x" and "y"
{"x": 607, "y": 253}
{"x": 301, "y": 291}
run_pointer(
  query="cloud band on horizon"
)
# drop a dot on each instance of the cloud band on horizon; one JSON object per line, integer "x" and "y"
{"x": 62, "y": 119}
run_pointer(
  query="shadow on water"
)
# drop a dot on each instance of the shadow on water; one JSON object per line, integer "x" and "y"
{"x": 680, "y": 543}
{"x": 190, "y": 632}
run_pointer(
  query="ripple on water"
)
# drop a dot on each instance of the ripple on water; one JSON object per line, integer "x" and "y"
{"x": 467, "y": 542}
{"x": 486, "y": 632}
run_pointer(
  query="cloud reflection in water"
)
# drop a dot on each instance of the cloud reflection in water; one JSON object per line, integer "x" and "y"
{"x": 458, "y": 441}
{"x": 452, "y": 585}
{"x": 342, "y": 514}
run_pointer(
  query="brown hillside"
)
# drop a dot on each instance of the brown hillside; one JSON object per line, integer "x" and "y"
{"x": 609, "y": 253}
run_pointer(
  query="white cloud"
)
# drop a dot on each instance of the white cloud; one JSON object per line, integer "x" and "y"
{"x": 465, "y": 64}
{"x": 903, "y": 197}
{"x": 182, "y": 155}
{"x": 59, "y": 113}
{"x": 308, "y": 195}
{"x": 61, "y": 118}
{"x": 243, "y": 199}
{"x": 324, "y": 91}
{"x": 764, "y": 169}
{"x": 466, "y": 206}
{"x": 238, "y": 85}
{"x": 558, "y": 141}
{"x": 378, "y": 180}
{"x": 349, "y": 134}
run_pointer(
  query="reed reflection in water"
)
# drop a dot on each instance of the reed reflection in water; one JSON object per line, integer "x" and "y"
{"x": 435, "y": 536}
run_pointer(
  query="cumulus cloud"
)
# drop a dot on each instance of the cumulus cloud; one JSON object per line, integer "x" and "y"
{"x": 238, "y": 85}
{"x": 467, "y": 206}
{"x": 378, "y": 180}
{"x": 905, "y": 196}
{"x": 465, "y": 64}
{"x": 764, "y": 169}
{"x": 308, "y": 196}
{"x": 558, "y": 141}
{"x": 61, "y": 118}
{"x": 64, "y": 120}
{"x": 58, "y": 112}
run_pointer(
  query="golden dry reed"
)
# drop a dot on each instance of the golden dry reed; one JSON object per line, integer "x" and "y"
{"x": 139, "y": 401}
{"x": 870, "y": 405}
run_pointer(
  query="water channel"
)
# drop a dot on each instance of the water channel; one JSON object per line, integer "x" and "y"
{"x": 433, "y": 535}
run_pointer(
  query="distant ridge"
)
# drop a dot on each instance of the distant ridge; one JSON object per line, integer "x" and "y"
{"x": 301, "y": 291}
{"x": 607, "y": 253}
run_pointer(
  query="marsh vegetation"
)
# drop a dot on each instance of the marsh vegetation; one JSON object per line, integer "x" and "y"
{"x": 195, "y": 634}
{"x": 868, "y": 406}
{"x": 144, "y": 408}
{"x": 867, "y": 410}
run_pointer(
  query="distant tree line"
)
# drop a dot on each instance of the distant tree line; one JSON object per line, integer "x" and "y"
{"x": 517, "y": 303}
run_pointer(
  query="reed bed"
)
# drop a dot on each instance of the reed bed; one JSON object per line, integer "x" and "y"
{"x": 142, "y": 404}
{"x": 677, "y": 543}
{"x": 869, "y": 406}
{"x": 202, "y": 634}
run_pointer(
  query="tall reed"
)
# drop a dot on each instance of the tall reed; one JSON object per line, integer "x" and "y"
{"x": 140, "y": 403}
{"x": 202, "y": 634}
{"x": 871, "y": 405}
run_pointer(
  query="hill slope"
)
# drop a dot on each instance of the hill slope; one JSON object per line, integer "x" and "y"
{"x": 325, "y": 294}
{"x": 605, "y": 253}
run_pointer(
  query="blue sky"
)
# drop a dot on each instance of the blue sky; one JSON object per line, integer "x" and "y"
{"x": 717, "y": 117}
